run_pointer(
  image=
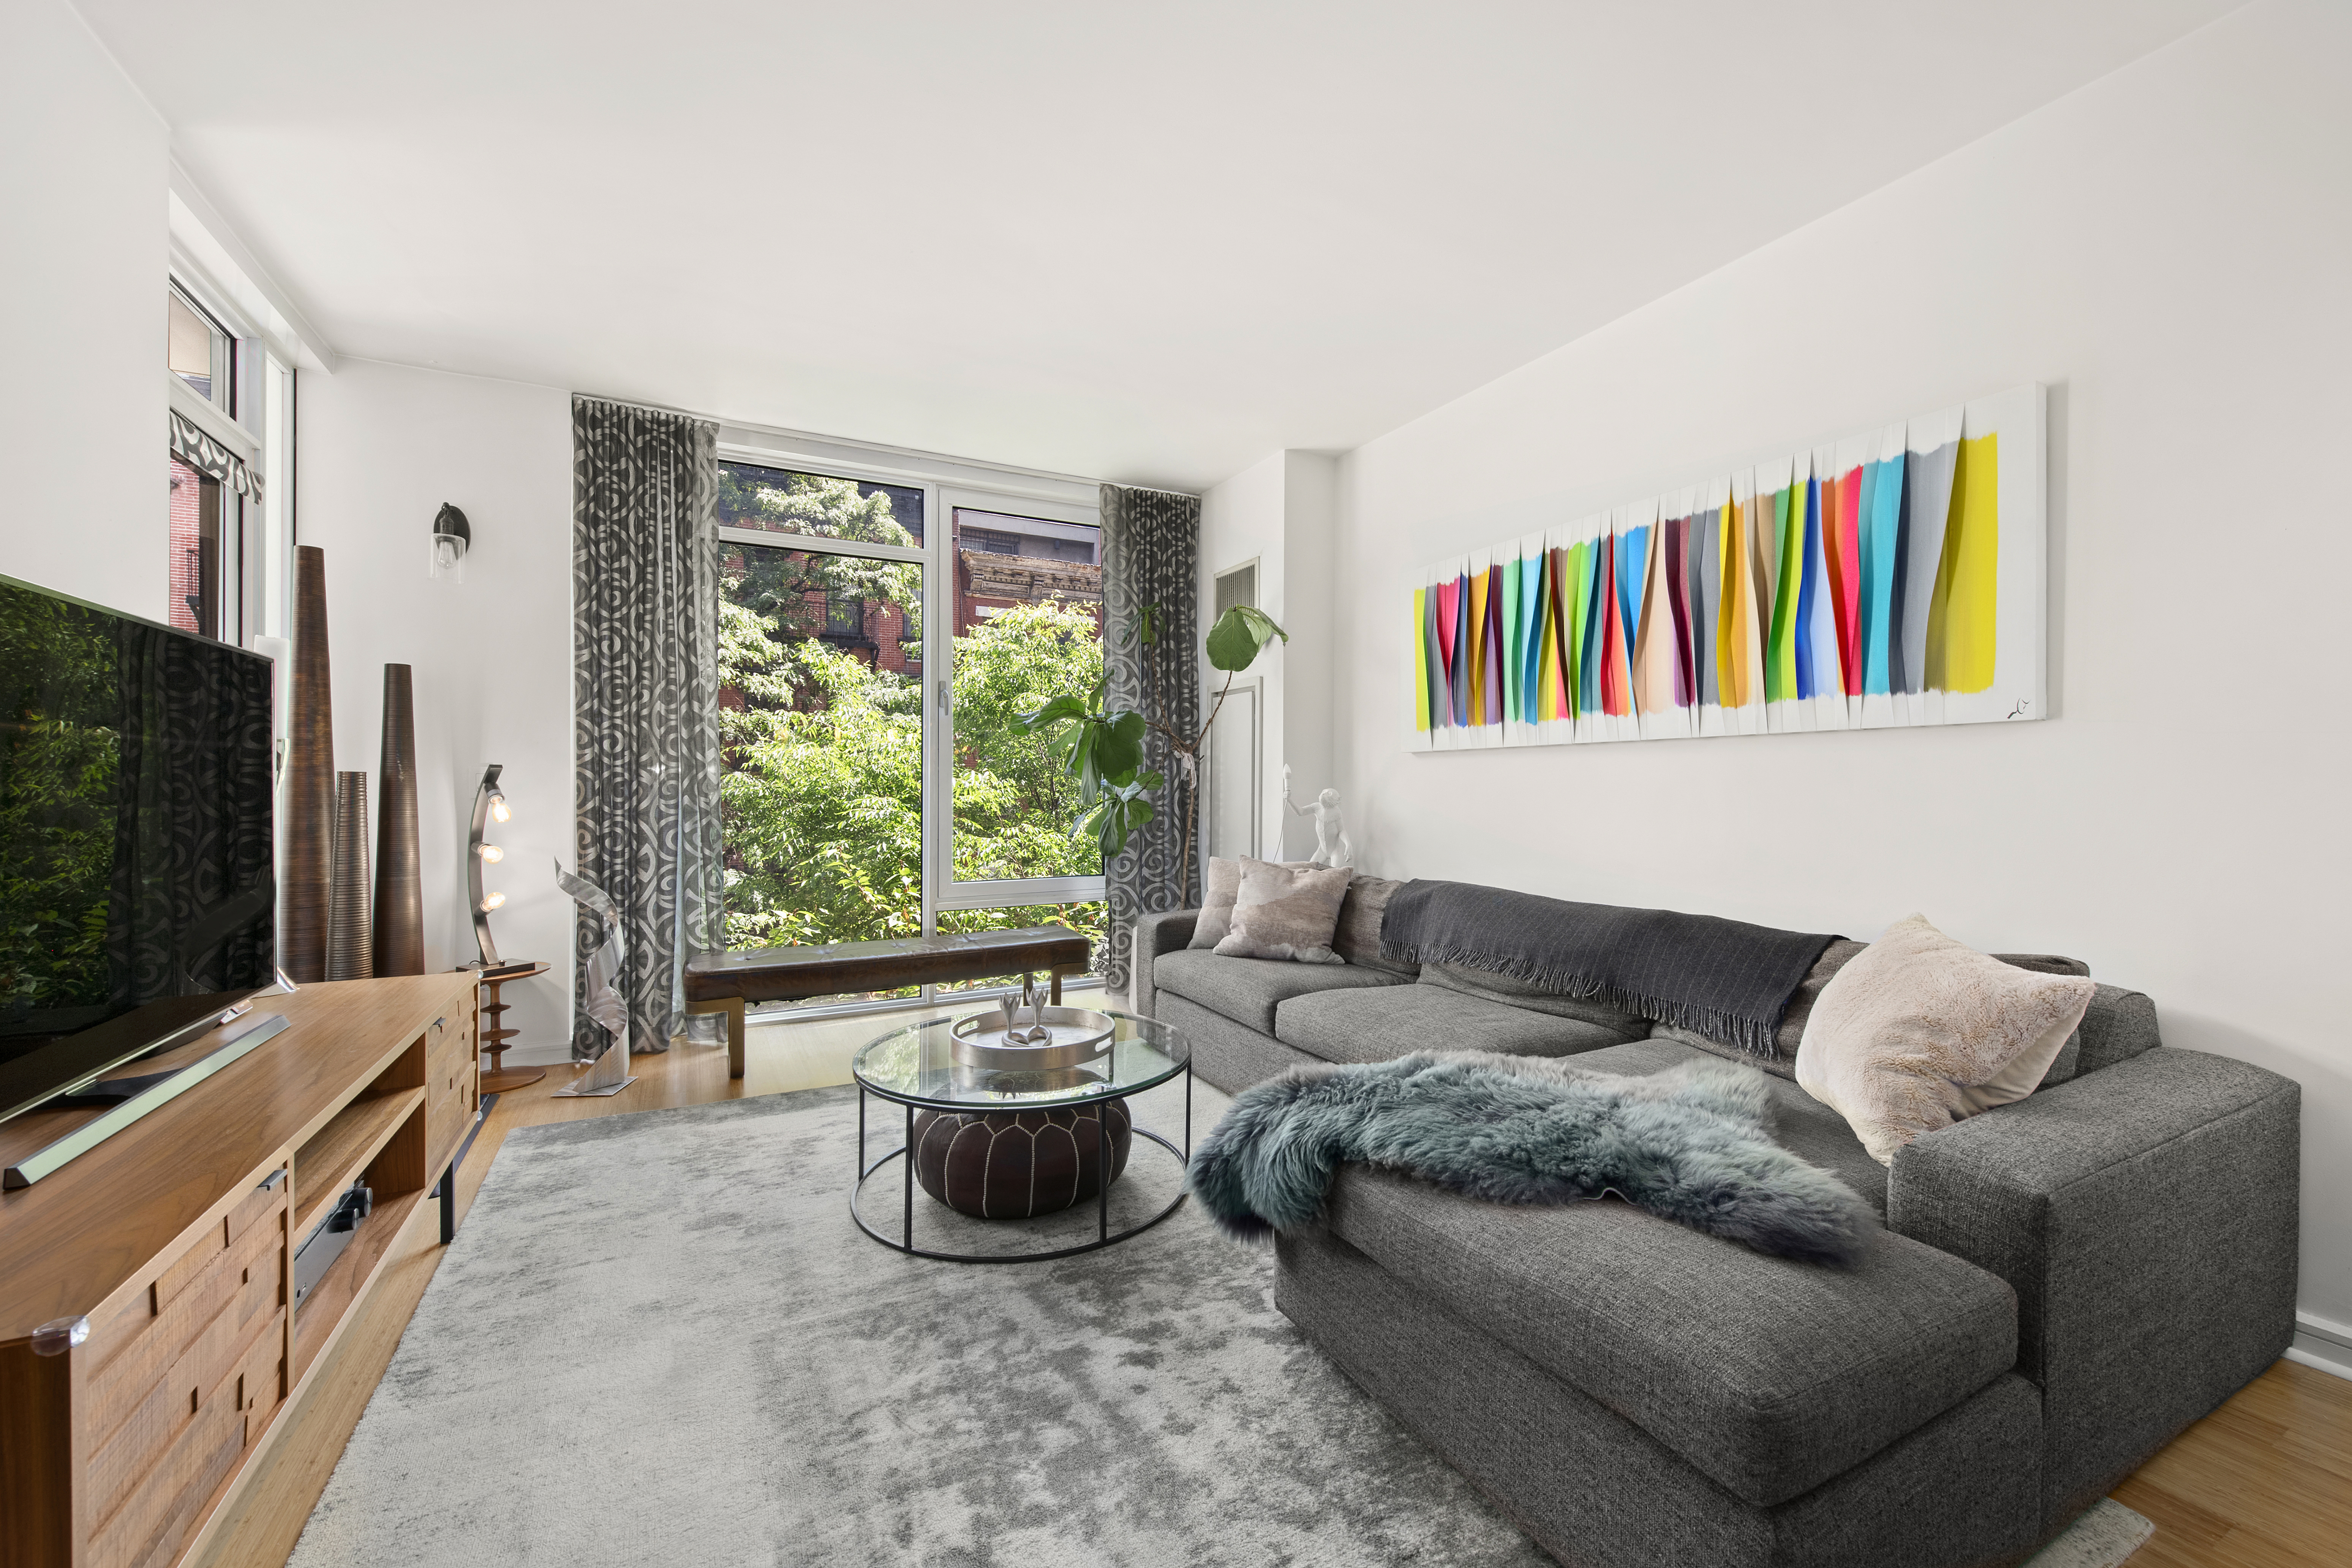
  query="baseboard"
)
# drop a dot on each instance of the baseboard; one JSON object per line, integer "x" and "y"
{"x": 538, "y": 1056}
{"x": 2322, "y": 1345}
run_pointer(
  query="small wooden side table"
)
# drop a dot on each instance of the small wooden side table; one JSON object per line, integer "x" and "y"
{"x": 499, "y": 1078}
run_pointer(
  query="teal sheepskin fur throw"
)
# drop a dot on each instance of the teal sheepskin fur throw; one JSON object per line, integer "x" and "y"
{"x": 1690, "y": 1144}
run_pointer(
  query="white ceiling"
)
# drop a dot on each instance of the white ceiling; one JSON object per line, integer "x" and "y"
{"x": 1150, "y": 243}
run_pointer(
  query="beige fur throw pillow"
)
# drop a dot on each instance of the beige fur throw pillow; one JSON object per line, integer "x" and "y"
{"x": 1287, "y": 912}
{"x": 1919, "y": 1031}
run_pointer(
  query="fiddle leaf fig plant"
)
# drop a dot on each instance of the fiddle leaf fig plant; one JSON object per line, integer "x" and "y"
{"x": 1102, "y": 747}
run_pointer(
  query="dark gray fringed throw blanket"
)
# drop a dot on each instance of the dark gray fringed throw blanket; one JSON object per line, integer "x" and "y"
{"x": 1687, "y": 1144}
{"x": 1725, "y": 979}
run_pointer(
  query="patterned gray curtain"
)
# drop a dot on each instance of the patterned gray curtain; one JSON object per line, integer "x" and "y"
{"x": 1152, "y": 542}
{"x": 645, "y": 607}
{"x": 206, "y": 455}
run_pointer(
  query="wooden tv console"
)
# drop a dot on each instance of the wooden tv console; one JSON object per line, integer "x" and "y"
{"x": 173, "y": 1240}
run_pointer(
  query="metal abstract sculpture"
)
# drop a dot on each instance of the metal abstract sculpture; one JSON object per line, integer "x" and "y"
{"x": 609, "y": 1073}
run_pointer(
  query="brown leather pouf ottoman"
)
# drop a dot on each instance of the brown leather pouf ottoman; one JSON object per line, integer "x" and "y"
{"x": 1014, "y": 1164}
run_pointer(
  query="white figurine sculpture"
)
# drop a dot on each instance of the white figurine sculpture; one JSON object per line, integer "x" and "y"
{"x": 1331, "y": 847}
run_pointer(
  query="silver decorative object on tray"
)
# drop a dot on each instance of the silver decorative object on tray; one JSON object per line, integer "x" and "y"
{"x": 1031, "y": 1036}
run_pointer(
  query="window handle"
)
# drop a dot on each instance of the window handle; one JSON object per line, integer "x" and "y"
{"x": 941, "y": 687}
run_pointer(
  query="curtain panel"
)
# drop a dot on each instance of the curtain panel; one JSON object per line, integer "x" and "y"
{"x": 1152, "y": 550}
{"x": 206, "y": 455}
{"x": 645, "y": 605}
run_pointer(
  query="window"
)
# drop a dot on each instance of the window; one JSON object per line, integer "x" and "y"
{"x": 876, "y": 781}
{"x": 195, "y": 593}
{"x": 202, "y": 352}
{"x": 229, "y": 529}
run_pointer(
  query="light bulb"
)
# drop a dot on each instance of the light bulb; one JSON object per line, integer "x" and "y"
{"x": 492, "y": 854}
{"x": 493, "y": 902}
{"x": 498, "y": 812}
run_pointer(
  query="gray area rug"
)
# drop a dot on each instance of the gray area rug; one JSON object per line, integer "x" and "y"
{"x": 2103, "y": 1536}
{"x": 659, "y": 1339}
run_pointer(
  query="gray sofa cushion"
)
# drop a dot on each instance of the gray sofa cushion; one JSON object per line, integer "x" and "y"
{"x": 1225, "y": 1053}
{"x": 1397, "y": 1020}
{"x": 1769, "y": 1377}
{"x": 1247, "y": 990}
{"x": 1516, "y": 993}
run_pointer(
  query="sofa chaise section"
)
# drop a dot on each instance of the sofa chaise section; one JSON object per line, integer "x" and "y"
{"x": 1599, "y": 1491}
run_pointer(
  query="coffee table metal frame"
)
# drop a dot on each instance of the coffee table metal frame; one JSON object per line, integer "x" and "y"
{"x": 1103, "y": 1235}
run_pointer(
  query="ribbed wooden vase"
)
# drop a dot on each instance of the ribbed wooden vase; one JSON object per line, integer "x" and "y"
{"x": 351, "y": 951}
{"x": 399, "y": 872}
{"x": 307, "y": 878}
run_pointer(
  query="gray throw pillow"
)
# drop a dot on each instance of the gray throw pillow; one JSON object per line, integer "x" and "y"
{"x": 1358, "y": 938}
{"x": 1286, "y": 912}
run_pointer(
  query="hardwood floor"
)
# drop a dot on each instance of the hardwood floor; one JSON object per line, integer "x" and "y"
{"x": 2263, "y": 1482}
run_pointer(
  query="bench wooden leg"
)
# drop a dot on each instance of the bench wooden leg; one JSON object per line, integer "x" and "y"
{"x": 1057, "y": 988}
{"x": 733, "y": 1008}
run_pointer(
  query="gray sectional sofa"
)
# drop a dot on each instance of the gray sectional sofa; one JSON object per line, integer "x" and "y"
{"x": 2063, "y": 1285}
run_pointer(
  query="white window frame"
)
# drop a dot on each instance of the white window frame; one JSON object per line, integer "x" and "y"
{"x": 938, "y": 796}
{"x": 255, "y": 423}
{"x": 946, "y": 483}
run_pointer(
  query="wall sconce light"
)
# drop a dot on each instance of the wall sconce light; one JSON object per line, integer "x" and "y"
{"x": 489, "y": 804}
{"x": 452, "y": 537}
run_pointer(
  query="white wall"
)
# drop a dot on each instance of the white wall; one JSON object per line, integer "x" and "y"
{"x": 1280, "y": 511}
{"x": 2166, "y": 250}
{"x": 382, "y": 447}
{"x": 83, "y": 420}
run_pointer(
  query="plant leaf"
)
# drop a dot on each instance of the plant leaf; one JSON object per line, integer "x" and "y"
{"x": 1233, "y": 643}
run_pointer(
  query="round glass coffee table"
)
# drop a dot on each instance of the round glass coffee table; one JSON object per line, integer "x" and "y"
{"x": 913, "y": 1066}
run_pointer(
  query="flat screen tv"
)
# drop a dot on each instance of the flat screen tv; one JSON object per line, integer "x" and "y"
{"x": 137, "y": 900}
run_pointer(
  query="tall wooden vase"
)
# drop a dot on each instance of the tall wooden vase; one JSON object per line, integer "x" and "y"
{"x": 399, "y": 870}
{"x": 351, "y": 952}
{"x": 306, "y": 879}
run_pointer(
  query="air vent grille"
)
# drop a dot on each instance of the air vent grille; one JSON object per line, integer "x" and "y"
{"x": 1237, "y": 586}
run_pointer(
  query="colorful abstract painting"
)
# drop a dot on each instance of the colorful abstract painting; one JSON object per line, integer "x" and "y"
{"x": 1891, "y": 577}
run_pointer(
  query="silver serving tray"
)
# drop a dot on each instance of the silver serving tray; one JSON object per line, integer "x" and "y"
{"x": 1081, "y": 1037}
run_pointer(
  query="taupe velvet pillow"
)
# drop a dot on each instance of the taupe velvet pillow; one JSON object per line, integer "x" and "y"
{"x": 1286, "y": 912}
{"x": 1919, "y": 1031}
{"x": 1221, "y": 887}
